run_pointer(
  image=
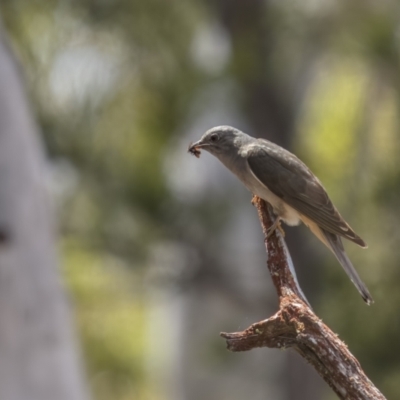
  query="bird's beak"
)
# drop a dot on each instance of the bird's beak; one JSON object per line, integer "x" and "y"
{"x": 194, "y": 148}
{"x": 199, "y": 144}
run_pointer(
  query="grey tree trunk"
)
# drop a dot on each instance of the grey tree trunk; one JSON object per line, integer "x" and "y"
{"x": 38, "y": 352}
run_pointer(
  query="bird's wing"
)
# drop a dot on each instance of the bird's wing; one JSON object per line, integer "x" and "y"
{"x": 291, "y": 180}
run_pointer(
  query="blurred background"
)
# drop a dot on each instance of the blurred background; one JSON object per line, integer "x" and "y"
{"x": 161, "y": 251}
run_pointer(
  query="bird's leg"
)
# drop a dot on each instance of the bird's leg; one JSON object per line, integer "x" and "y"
{"x": 276, "y": 224}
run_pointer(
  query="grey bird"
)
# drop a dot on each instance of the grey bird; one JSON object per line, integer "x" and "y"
{"x": 280, "y": 178}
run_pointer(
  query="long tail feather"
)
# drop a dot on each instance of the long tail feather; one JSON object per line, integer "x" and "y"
{"x": 334, "y": 242}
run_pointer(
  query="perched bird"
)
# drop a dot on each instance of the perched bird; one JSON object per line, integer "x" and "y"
{"x": 280, "y": 178}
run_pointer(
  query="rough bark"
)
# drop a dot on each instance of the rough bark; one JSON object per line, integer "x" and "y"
{"x": 296, "y": 326}
{"x": 39, "y": 358}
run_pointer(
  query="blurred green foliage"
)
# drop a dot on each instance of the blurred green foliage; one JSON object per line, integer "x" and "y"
{"x": 115, "y": 86}
{"x": 110, "y": 314}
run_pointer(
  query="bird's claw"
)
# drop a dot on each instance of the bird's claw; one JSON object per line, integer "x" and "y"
{"x": 275, "y": 225}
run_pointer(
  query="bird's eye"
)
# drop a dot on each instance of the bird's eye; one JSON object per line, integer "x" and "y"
{"x": 214, "y": 137}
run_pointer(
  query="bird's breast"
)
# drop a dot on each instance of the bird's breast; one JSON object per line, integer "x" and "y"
{"x": 288, "y": 214}
{"x": 240, "y": 167}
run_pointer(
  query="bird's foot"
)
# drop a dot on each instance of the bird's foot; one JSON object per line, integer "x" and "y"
{"x": 275, "y": 225}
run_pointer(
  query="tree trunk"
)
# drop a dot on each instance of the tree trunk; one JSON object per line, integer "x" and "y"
{"x": 39, "y": 359}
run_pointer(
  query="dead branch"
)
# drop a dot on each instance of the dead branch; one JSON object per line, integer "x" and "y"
{"x": 296, "y": 326}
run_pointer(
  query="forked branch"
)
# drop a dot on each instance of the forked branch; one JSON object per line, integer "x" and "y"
{"x": 296, "y": 326}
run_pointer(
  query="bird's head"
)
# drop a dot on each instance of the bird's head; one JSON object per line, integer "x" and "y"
{"x": 218, "y": 140}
